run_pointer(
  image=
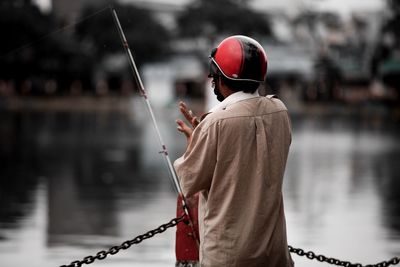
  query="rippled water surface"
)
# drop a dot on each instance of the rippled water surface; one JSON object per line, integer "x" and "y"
{"x": 74, "y": 183}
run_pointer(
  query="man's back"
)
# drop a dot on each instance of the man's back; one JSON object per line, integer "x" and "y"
{"x": 237, "y": 160}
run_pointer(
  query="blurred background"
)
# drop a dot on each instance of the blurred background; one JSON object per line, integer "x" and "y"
{"x": 80, "y": 169}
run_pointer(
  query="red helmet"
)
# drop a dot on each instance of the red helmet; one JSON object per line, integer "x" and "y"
{"x": 240, "y": 58}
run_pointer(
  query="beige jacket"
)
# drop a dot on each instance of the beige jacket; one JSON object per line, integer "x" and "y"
{"x": 236, "y": 160}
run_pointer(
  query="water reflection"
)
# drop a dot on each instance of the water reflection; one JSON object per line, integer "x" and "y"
{"x": 388, "y": 185}
{"x": 73, "y": 183}
{"x": 19, "y": 168}
{"x": 338, "y": 202}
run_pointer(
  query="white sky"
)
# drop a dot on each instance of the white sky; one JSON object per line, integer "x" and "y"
{"x": 344, "y": 7}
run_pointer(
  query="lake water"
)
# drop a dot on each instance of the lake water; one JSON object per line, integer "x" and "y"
{"x": 74, "y": 183}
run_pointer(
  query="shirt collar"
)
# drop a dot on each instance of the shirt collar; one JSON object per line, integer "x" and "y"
{"x": 233, "y": 98}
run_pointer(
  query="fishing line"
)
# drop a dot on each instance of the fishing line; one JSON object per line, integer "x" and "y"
{"x": 53, "y": 32}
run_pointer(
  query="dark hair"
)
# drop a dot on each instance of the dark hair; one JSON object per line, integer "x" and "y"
{"x": 237, "y": 85}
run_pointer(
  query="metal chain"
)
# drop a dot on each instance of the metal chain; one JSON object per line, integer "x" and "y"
{"x": 101, "y": 255}
{"x": 312, "y": 256}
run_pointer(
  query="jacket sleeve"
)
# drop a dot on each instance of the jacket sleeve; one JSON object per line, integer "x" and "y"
{"x": 195, "y": 168}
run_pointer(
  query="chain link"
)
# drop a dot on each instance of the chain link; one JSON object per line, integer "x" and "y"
{"x": 321, "y": 258}
{"x": 101, "y": 255}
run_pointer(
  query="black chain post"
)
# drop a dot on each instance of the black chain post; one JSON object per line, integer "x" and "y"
{"x": 321, "y": 258}
{"x": 101, "y": 255}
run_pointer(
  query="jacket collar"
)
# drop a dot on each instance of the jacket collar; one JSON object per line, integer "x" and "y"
{"x": 233, "y": 98}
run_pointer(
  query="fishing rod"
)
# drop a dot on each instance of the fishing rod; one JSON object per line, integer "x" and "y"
{"x": 143, "y": 93}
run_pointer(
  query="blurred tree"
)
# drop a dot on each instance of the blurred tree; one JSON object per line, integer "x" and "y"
{"x": 147, "y": 38}
{"x": 392, "y": 26}
{"x": 385, "y": 62}
{"x": 21, "y": 25}
{"x": 310, "y": 20}
{"x": 33, "y": 51}
{"x": 389, "y": 41}
{"x": 209, "y": 17}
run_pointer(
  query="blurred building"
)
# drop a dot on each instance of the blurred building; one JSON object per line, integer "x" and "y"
{"x": 67, "y": 12}
{"x": 164, "y": 11}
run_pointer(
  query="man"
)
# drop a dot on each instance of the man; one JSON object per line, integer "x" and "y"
{"x": 235, "y": 159}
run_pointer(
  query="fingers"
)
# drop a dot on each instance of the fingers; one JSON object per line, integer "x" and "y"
{"x": 184, "y": 128}
{"x": 195, "y": 122}
{"x": 185, "y": 111}
{"x": 188, "y": 114}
